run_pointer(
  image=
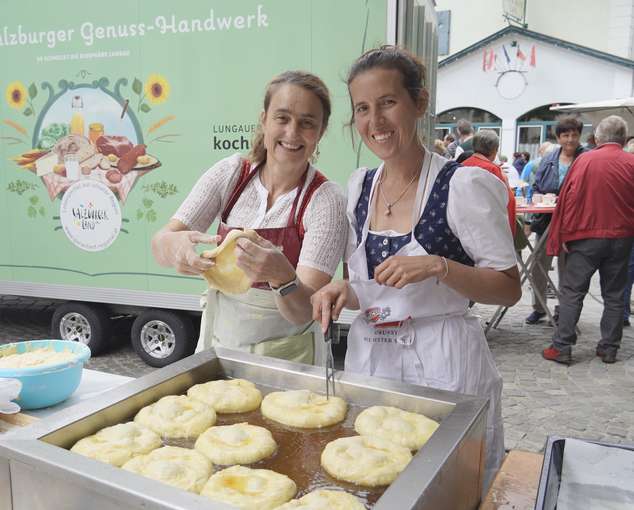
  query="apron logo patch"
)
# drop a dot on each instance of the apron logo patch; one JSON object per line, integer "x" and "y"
{"x": 376, "y": 314}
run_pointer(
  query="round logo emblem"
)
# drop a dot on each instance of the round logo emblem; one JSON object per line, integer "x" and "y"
{"x": 90, "y": 215}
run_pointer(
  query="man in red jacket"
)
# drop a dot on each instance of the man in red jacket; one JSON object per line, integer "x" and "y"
{"x": 594, "y": 225}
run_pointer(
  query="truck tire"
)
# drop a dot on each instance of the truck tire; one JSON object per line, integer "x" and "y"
{"x": 81, "y": 322}
{"x": 161, "y": 337}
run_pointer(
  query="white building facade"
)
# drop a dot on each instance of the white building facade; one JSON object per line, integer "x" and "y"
{"x": 508, "y": 79}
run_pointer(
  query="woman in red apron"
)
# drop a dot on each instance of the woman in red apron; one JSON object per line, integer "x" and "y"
{"x": 426, "y": 236}
{"x": 298, "y": 214}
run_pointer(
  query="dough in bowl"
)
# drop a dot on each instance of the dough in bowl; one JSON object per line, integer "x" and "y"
{"x": 323, "y": 499}
{"x": 225, "y": 275}
{"x": 250, "y": 489}
{"x": 177, "y": 416}
{"x": 228, "y": 396}
{"x": 116, "y": 445}
{"x": 240, "y": 443}
{"x": 303, "y": 409}
{"x": 181, "y": 467}
{"x": 410, "y": 430}
{"x": 364, "y": 460}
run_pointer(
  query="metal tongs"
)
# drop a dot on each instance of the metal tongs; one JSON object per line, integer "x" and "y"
{"x": 331, "y": 337}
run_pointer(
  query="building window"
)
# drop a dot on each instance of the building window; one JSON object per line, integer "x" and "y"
{"x": 480, "y": 119}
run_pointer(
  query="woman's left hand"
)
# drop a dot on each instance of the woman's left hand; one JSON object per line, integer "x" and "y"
{"x": 262, "y": 261}
{"x": 397, "y": 271}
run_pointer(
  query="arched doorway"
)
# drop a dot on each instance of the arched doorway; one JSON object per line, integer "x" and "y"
{"x": 480, "y": 119}
{"x": 538, "y": 126}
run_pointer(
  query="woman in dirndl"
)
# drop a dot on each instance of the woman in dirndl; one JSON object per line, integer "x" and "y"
{"x": 426, "y": 237}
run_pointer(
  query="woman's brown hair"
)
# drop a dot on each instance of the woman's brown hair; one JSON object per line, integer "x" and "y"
{"x": 388, "y": 56}
{"x": 307, "y": 81}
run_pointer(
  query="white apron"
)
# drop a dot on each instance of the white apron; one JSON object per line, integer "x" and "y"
{"x": 251, "y": 322}
{"x": 423, "y": 334}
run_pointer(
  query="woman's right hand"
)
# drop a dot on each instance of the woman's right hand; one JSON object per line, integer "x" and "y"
{"x": 330, "y": 300}
{"x": 177, "y": 249}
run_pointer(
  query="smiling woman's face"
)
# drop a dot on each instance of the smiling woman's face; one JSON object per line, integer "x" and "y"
{"x": 385, "y": 115}
{"x": 292, "y": 125}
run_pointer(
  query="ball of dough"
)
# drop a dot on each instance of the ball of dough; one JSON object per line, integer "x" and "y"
{"x": 303, "y": 409}
{"x": 116, "y": 445}
{"x": 364, "y": 460}
{"x": 225, "y": 275}
{"x": 228, "y": 396}
{"x": 410, "y": 430}
{"x": 236, "y": 444}
{"x": 324, "y": 500}
{"x": 177, "y": 416}
{"x": 181, "y": 467}
{"x": 250, "y": 489}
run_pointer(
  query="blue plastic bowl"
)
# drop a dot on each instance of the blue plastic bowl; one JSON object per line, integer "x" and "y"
{"x": 47, "y": 385}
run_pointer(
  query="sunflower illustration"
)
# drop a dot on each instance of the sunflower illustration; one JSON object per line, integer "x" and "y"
{"x": 16, "y": 95}
{"x": 157, "y": 90}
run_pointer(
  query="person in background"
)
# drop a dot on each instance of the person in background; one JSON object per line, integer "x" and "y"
{"x": 591, "y": 143}
{"x": 627, "y": 310}
{"x": 594, "y": 224}
{"x": 463, "y": 143}
{"x": 548, "y": 179}
{"x": 299, "y": 217}
{"x": 528, "y": 173}
{"x": 448, "y": 139}
{"x": 426, "y": 236}
{"x": 485, "y": 148}
{"x": 439, "y": 148}
{"x": 519, "y": 161}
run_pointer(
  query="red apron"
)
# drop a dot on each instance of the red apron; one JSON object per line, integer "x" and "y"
{"x": 288, "y": 238}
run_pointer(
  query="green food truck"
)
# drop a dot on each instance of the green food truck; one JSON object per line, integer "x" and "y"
{"x": 85, "y": 84}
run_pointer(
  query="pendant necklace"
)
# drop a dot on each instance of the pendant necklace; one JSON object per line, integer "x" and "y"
{"x": 388, "y": 204}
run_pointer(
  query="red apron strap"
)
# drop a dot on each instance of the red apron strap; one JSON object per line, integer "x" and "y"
{"x": 245, "y": 176}
{"x": 317, "y": 181}
{"x": 291, "y": 217}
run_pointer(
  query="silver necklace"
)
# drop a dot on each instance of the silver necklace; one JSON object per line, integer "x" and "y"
{"x": 388, "y": 204}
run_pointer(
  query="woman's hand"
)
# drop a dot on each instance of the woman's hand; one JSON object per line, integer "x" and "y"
{"x": 262, "y": 261}
{"x": 397, "y": 271}
{"x": 330, "y": 300}
{"x": 177, "y": 249}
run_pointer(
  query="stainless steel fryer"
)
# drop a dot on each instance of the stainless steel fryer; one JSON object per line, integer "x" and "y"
{"x": 38, "y": 472}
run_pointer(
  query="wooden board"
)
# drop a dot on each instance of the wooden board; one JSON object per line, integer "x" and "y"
{"x": 515, "y": 485}
{"x": 12, "y": 421}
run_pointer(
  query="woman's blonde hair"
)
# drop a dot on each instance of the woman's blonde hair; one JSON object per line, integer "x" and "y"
{"x": 303, "y": 79}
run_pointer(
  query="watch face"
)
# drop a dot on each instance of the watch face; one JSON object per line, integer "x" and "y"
{"x": 288, "y": 289}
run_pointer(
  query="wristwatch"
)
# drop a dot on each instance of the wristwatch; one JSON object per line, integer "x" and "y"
{"x": 286, "y": 288}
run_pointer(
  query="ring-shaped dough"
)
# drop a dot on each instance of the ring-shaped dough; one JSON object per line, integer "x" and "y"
{"x": 368, "y": 461}
{"x": 181, "y": 467}
{"x": 303, "y": 409}
{"x": 177, "y": 416}
{"x": 116, "y": 445}
{"x": 240, "y": 443}
{"x": 323, "y": 499}
{"x": 225, "y": 275}
{"x": 228, "y": 396}
{"x": 250, "y": 489}
{"x": 407, "y": 429}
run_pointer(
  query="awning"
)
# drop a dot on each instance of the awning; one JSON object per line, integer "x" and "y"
{"x": 599, "y": 110}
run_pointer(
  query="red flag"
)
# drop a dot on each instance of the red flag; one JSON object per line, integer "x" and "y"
{"x": 491, "y": 58}
{"x": 533, "y": 61}
{"x": 520, "y": 55}
{"x": 484, "y": 60}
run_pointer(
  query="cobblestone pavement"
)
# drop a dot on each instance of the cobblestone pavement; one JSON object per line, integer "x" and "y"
{"x": 589, "y": 399}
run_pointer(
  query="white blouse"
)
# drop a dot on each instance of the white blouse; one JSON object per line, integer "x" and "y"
{"x": 324, "y": 219}
{"x": 476, "y": 214}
